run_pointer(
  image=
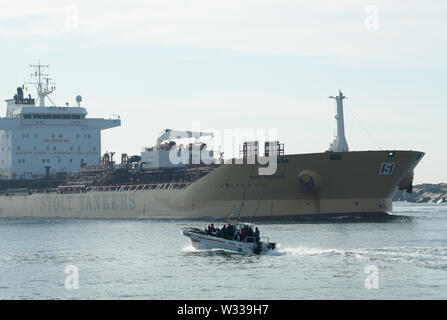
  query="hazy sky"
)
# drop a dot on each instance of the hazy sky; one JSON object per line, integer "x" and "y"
{"x": 233, "y": 64}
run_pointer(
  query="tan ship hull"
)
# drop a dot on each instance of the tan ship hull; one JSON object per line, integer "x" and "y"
{"x": 349, "y": 184}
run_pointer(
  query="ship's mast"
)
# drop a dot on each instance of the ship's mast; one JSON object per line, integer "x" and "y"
{"x": 339, "y": 144}
{"x": 41, "y": 82}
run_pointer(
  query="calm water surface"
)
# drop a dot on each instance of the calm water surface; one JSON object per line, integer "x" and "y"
{"x": 141, "y": 259}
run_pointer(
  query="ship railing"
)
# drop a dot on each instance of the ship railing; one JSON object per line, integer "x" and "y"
{"x": 140, "y": 187}
{"x": 82, "y": 188}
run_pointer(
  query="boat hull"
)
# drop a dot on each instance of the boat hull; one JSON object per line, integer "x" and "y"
{"x": 303, "y": 186}
{"x": 208, "y": 242}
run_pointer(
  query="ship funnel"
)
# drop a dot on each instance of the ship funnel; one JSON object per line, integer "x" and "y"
{"x": 20, "y": 93}
{"x": 339, "y": 144}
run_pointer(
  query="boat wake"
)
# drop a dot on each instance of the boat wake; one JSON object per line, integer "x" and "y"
{"x": 427, "y": 257}
{"x": 303, "y": 251}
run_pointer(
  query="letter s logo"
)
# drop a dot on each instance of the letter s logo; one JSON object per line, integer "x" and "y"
{"x": 386, "y": 168}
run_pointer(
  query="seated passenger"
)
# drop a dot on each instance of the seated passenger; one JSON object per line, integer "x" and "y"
{"x": 250, "y": 234}
{"x": 224, "y": 231}
{"x": 243, "y": 233}
{"x": 231, "y": 230}
{"x": 237, "y": 237}
{"x": 230, "y": 233}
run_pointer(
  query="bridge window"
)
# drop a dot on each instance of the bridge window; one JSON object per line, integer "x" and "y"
{"x": 52, "y": 116}
{"x": 335, "y": 156}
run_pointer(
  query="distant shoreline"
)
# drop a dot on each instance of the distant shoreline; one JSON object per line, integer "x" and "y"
{"x": 424, "y": 193}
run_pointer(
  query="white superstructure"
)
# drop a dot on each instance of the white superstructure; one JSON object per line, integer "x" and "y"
{"x": 37, "y": 141}
{"x": 167, "y": 154}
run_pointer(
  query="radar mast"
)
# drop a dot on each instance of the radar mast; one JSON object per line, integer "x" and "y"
{"x": 42, "y": 82}
{"x": 339, "y": 144}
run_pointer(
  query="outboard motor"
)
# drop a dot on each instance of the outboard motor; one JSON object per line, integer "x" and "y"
{"x": 257, "y": 248}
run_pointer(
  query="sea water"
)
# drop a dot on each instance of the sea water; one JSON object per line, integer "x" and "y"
{"x": 400, "y": 258}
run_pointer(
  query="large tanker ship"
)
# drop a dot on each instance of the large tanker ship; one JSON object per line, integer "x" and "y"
{"x": 51, "y": 166}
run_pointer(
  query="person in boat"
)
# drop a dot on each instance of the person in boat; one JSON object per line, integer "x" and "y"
{"x": 210, "y": 229}
{"x": 243, "y": 233}
{"x": 237, "y": 236}
{"x": 230, "y": 232}
{"x": 249, "y": 234}
{"x": 224, "y": 231}
{"x": 219, "y": 233}
{"x": 257, "y": 235}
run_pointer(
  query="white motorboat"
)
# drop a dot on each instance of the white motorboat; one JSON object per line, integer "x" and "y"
{"x": 204, "y": 239}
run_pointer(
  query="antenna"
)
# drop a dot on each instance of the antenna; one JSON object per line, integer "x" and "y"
{"x": 42, "y": 82}
{"x": 339, "y": 144}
